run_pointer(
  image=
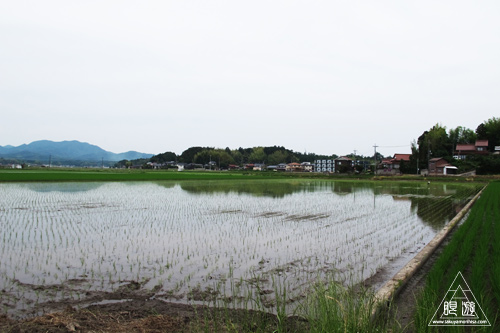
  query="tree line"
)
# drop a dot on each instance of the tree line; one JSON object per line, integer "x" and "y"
{"x": 438, "y": 142}
{"x": 226, "y": 157}
{"x": 435, "y": 142}
{"x": 223, "y": 158}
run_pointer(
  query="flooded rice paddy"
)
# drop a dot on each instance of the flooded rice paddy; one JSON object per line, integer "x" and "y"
{"x": 240, "y": 242}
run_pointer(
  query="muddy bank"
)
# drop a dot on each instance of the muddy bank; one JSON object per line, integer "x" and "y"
{"x": 143, "y": 315}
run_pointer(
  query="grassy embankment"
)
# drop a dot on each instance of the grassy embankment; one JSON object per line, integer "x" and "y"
{"x": 84, "y": 174}
{"x": 474, "y": 250}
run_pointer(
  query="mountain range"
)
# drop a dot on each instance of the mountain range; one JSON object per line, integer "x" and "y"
{"x": 64, "y": 152}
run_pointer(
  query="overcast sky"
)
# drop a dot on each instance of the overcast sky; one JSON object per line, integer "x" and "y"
{"x": 317, "y": 76}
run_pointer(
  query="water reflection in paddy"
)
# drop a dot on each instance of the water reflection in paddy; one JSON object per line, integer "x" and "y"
{"x": 215, "y": 239}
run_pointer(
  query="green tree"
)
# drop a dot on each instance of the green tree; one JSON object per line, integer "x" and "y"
{"x": 123, "y": 164}
{"x": 488, "y": 165}
{"x": 433, "y": 143}
{"x": 203, "y": 157}
{"x": 221, "y": 158}
{"x": 279, "y": 156}
{"x": 237, "y": 157}
{"x": 414, "y": 166}
{"x": 461, "y": 135}
{"x": 490, "y": 130}
{"x": 481, "y": 132}
{"x": 258, "y": 155}
{"x": 187, "y": 155}
{"x": 164, "y": 157}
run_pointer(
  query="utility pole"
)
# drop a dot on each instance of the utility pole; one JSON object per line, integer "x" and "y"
{"x": 428, "y": 157}
{"x": 355, "y": 160}
{"x": 375, "y": 157}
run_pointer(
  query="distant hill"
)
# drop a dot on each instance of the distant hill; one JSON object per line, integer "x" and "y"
{"x": 65, "y": 152}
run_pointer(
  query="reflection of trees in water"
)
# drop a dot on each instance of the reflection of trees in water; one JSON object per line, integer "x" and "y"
{"x": 435, "y": 212}
{"x": 64, "y": 187}
{"x": 166, "y": 184}
{"x": 343, "y": 188}
{"x": 435, "y": 204}
{"x": 274, "y": 189}
{"x": 259, "y": 189}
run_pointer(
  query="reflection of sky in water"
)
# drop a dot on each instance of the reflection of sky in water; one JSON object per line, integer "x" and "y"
{"x": 180, "y": 234}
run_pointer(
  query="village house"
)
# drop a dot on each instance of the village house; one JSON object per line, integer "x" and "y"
{"x": 281, "y": 167}
{"x": 392, "y": 166}
{"x": 294, "y": 167}
{"x": 462, "y": 150}
{"x": 307, "y": 167}
{"x": 193, "y": 166}
{"x": 439, "y": 166}
{"x": 343, "y": 164}
{"x": 259, "y": 167}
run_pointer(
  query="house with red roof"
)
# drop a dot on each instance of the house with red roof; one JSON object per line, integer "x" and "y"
{"x": 294, "y": 167}
{"x": 392, "y": 165}
{"x": 462, "y": 150}
{"x": 439, "y": 166}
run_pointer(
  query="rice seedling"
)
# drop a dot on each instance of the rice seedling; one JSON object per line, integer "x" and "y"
{"x": 471, "y": 251}
{"x": 244, "y": 234}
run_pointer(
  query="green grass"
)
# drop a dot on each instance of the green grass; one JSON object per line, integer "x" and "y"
{"x": 88, "y": 174}
{"x": 474, "y": 250}
{"x": 329, "y": 307}
{"x": 62, "y": 175}
{"x": 335, "y": 308}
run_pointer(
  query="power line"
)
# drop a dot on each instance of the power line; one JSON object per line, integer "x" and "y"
{"x": 394, "y": 146}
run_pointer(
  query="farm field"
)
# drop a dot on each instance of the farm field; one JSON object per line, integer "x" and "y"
{"x": 82, "y": 174}
{"x": 474, "y": 253}
{"x": 116, "y": 175}
{"x": 244, "y": 244}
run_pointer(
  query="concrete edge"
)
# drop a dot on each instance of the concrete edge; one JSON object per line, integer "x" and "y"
{"x": 388, "y": 291}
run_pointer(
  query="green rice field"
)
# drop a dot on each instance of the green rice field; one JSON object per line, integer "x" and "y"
{"x": 242, "y": 243}
{"x": 474, "y": 252}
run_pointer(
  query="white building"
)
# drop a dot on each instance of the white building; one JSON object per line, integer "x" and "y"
{"x": 324, "y": 165}
{"x": 307, "y": 166}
